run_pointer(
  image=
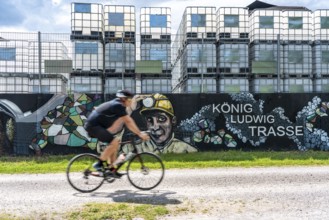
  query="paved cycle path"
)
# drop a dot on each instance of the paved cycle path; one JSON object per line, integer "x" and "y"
{"x": 228, "y": 193}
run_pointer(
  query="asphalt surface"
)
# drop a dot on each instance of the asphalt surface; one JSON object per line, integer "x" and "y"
{"x": 225, "y": 193}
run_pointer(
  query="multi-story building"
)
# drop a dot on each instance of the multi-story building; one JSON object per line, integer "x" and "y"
{"x": 232, "y": 49}
{"x": 194, "y": 57}
{"x": 87, "y": 48}
{"x": 120, "y": 47}
{"x": 281, "y": 48}
{"x": 154, "y": 70}
{"x": 321, "y": 50}
{"x": 262, "y": 48}
{"x": 31, "y": 65}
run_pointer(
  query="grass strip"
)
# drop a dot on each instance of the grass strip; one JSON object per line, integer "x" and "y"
{"x": 116, "y": 211}
{"x": 232, "y": 158}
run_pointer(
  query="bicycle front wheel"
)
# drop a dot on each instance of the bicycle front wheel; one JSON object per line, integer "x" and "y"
{"x": 81, "y": 175}
{"x": 145, "y": 171}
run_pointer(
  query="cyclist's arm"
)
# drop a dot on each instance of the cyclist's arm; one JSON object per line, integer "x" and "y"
{"x": 131, "y": 125}
{"x": 134, "y": 103}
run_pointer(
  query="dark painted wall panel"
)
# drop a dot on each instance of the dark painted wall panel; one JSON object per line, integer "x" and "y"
{"x": 200, "y": 122}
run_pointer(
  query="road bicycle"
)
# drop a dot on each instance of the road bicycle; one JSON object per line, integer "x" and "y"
{"x": 144, "y": 170}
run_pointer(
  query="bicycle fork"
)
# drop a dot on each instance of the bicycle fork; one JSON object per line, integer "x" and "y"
{"x": 144, "y": 169}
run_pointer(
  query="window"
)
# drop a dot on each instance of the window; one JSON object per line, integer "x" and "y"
{"x": 295, "y": 22}
{"x": 266, "y": 22}
{"x": 158, "y": 54}
{"x": 231, "y": 55}
{"x": 211, "y": 35}
{"x": 325, "y": 22}
{"x": 158, "y": 21}
{"x": 82, "y": 8}
{"x": 325, "y": 56}
{"x": 86, "y": 48}
{"x": 195, "y": 89}
{"x": 8, "y": 54}
{"x": 113, "y": 85}
{"x": 82, "y": 88}
{"x": 155, "y": 85}
{"x": 295, "y": 57}
{"x": 231, "y": 20}
{"x": 266, "y": 55}
{"x": 116, "y": 55}
{"x": 35, "y": 89}
{"x": 44, "y": 89}
{"x": 192, "y": 34}
{"x": 194, "y": 85}
{"x": 196, "y": 55}
{"x": 116, "y": 19}
{"x": 232, "y": 88}
{"x": 198, "y": 20}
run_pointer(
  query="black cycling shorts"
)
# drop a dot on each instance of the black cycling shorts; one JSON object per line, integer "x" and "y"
{"x": 100, "y": 133}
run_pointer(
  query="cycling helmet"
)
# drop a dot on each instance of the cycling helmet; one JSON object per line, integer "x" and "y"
{"x": 124, "y": 94}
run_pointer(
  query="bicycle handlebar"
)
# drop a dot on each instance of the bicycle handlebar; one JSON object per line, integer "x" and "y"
{"x": 147, "y": 132}
{"x": 135, "y": 140}
{"x": 133, "y": 137}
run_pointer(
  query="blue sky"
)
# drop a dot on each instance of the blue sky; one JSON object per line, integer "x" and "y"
{"x": 54, "y": 16}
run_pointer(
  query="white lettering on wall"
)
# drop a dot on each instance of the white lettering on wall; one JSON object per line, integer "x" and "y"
{"x": 276, "y": 131}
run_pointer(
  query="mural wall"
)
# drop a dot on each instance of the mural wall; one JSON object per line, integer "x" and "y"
{"x": 179, "y": 123}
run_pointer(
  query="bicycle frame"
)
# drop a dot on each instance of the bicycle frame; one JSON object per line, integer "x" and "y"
{"x": 134, "y": 151}
{"x": 132, "y": 141}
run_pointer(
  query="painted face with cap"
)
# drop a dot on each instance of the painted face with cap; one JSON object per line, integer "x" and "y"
{"x": 159, "y": 115}
{"x": 160, "y": 126}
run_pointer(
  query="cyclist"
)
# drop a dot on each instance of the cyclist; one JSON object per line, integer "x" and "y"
{"x": 106, "y": 122}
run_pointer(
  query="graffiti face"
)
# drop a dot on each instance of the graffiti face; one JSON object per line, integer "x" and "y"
{"x": 160, "y": 125}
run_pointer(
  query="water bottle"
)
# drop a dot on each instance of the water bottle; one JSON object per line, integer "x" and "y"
{"x": 120, "y": 159}
{"x": 129, "y": 156}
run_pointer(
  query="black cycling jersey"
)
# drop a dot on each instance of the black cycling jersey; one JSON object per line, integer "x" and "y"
{"x": 106, "y": 114}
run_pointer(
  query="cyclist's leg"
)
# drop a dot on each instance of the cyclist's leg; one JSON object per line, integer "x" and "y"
{"x": 103, "y": 135}
{"x": 110, "y": 152}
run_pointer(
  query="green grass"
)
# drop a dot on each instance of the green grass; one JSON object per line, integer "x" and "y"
{"x": 95, "y": 211}
{"x": 247, "y": 159}
{"x": 98, "y": 211}
{"x": 58, "y": 164}
{"x": 44, "y": 164}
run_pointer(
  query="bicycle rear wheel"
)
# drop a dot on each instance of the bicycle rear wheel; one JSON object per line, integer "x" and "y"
{"x": 81, "y": 175}
{"x": 145, "y": 171}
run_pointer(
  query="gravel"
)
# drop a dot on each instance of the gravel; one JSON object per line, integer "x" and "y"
{"x": 221, "y": 193}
